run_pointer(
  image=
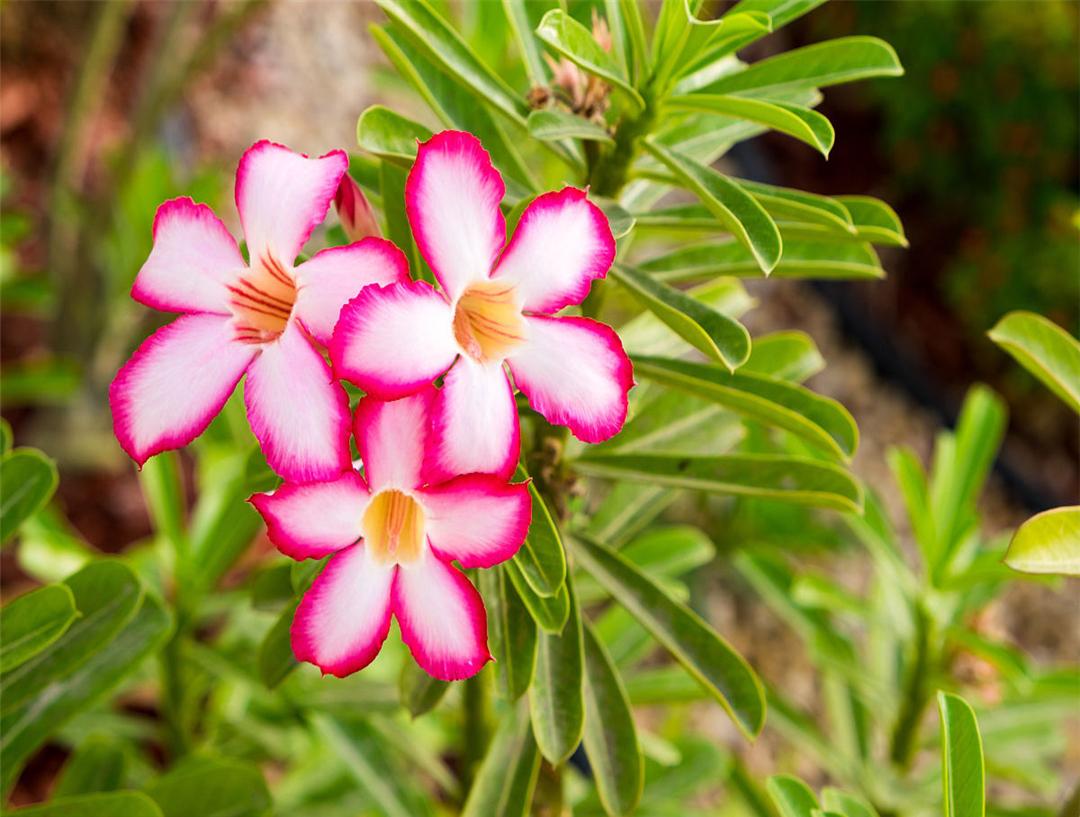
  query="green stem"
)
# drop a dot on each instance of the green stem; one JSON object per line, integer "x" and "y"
{"x": 475, "y": 702}
{"x": 916, "y": 694}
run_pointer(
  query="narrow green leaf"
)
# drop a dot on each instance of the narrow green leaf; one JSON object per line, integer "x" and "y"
{"x": 829, "y": 63}
{"x": 553, "y": 125}
{"x": 962, "y": 772}
{"x": 96, "y": 766}
{"x": 572, "y": 40}
{"x": 708, "y": 330}
{"x": 32, "y": 622}
{"x": 392, "y": 180}
{"x": 875, "y": 221}
{"x": 438, "y": 40}
{"x": 512, "y": 631}
{"x": 556, "y": 697}
{"x": 620, "y": 222}
{"x": 507, "y": 776}
{"x": 275, "y": 659}
{"x": 211, "y": 787}
{"x": 540, "y": 559}
{"x": 6, "y": 436}
{"x": 25, "y": 727}
{"x": 791, "y": 796}
{"x": 112, "y": 804}
{"x": 771, "y": 476}
{"x": 162, "y": 485}
{"x": 627, "y": 509}
{"x": 419, "y": 692}
{"x": 801, "y": 259}
{"x": 389, "y": 135}
{"x": 549, "y": 612}
{"x": 736, "y": 209}
{"x": 1045, "y": 349}
{"x": 517, "y": 15}
{"x": 610, "y": 737}
{"x": 699, "y": 648}
{"x": 819, "y": 420}
{"x": 789, "y": 355}
{"x": 637, "y": 52}
{"x": 845, "y": 804}
{"x": 106, "y": 594}
{"x": 803, "y": 124}
{"x": 789, "y": 203}
{"x": 29, "y": 479}
{"x": 1049, "y": 542}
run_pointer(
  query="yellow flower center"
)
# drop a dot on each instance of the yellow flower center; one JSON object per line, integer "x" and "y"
{"x": 394, "y": 527}
{"x": 488, "y": 323}
{"x": 262, "y": 300}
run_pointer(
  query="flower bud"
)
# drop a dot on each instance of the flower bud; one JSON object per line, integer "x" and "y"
{"x": 354, "y": 210}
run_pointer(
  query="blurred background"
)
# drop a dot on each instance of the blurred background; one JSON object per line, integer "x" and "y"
{"x": 107, "y": 109}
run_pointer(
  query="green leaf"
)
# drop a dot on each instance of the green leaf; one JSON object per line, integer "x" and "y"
{"x": 517, "y": 15}
{"x": 572, "y": 40}
{"x": 874, "y": 220}
{"x": 610, "y": 737}
{"x": 803, "y": 124}
{"x": 708, "y": 330}
{"x": 847, "y": 805}
{"x": 162, "y": 486}
{"x": 789, "y": 203}
{"x": 814, "y": 66}
{"x": 32, "y": 622}
{"x": 553, "y": 125}
{"x": 620, "y": 222}
{"x": 112, "y": 804}
{"x": 275, "y": 659}
{"x": 801, "y": 259}
{"x": 736, "y": 209}
{"x": 540, "y": 559}
{"x": 389, "y": 135}
{"x": 1049, "y": 542}
{"x": 680, "y": 38}
{"x": 419, "y": 692}
{"x": 512, "y": 631}
{"x": 223, "y": 523}
{"x": 962, "y": 773}
{"x": 791, "y": 796}
{"x": 1045, "y": 349}
{"x": 440, "y": 43}
{"x": 96, "y": 766}
{"x": 106, "y": 594}
{"x": 211, "y": 787}
{"x": 627, "y": 509}
{"x": 772, "y": 476}
{"x": 24, "y": 727}
{"x": 392, "y": 179}
{"x": 790, "y": 355}
{"x": 5, "y": 436}
{"x": 507, "y": 776}
{"x": 29, "y": 479}
{"x": 819, "y": 420}
{"x": 698, "y": 647}
{"x": 365, "y": 757}
{"x": 549, "y": 612}
{"x": 556, "y": 697}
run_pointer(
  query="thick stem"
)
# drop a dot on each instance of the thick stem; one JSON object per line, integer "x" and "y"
{"x": 609, "y": 175}
{"x": 476, "y": 733}
{"x": 916, "y": 695}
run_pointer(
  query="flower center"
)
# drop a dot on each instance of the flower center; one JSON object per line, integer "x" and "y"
{"x": 262, "y": 300}
{"x": 487, "y": 322}
{"x": 394, "y": 527}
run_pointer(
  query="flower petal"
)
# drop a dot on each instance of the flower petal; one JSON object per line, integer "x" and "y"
{"x": 561, "y": 244}
{"x": 193, "y": 259}
{"x": 442, "y": 619}
{"x": 310, "y": 520}
{"x": 474, "y": 424}
{"x": 333, "y": 276}
{"x": 175, "y": 383}
{"x": 452, "y": 201}
{"x": 392, "y": 438}
{"x": 393, "y": 340}
{"x": 477, "y": 519}
{"x": 575, "y": 373}
{"x": 298, "y": 412}
{"x": 344, "y": 618}
{"x": 282, "y": 196}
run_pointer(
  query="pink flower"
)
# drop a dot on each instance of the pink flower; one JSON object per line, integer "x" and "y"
{"x": 258, "y": 317}
{"x": 392, "y": 538}
{"x": 494, "y": 308}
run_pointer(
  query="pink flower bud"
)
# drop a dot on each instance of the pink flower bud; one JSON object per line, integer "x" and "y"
{"x": 354, "y": 211}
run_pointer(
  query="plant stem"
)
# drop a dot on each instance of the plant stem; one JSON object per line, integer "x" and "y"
{"x": 475, "y": 703}
{"x": 915, "y": 696}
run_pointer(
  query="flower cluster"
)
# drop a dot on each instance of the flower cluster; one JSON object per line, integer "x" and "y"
{"x": 435, "y": 460}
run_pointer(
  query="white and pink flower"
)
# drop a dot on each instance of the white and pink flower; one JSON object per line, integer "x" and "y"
{"x": 493, "y": 310}
{"x": 392, "y": 537}
{"x": 257, "y": 317}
